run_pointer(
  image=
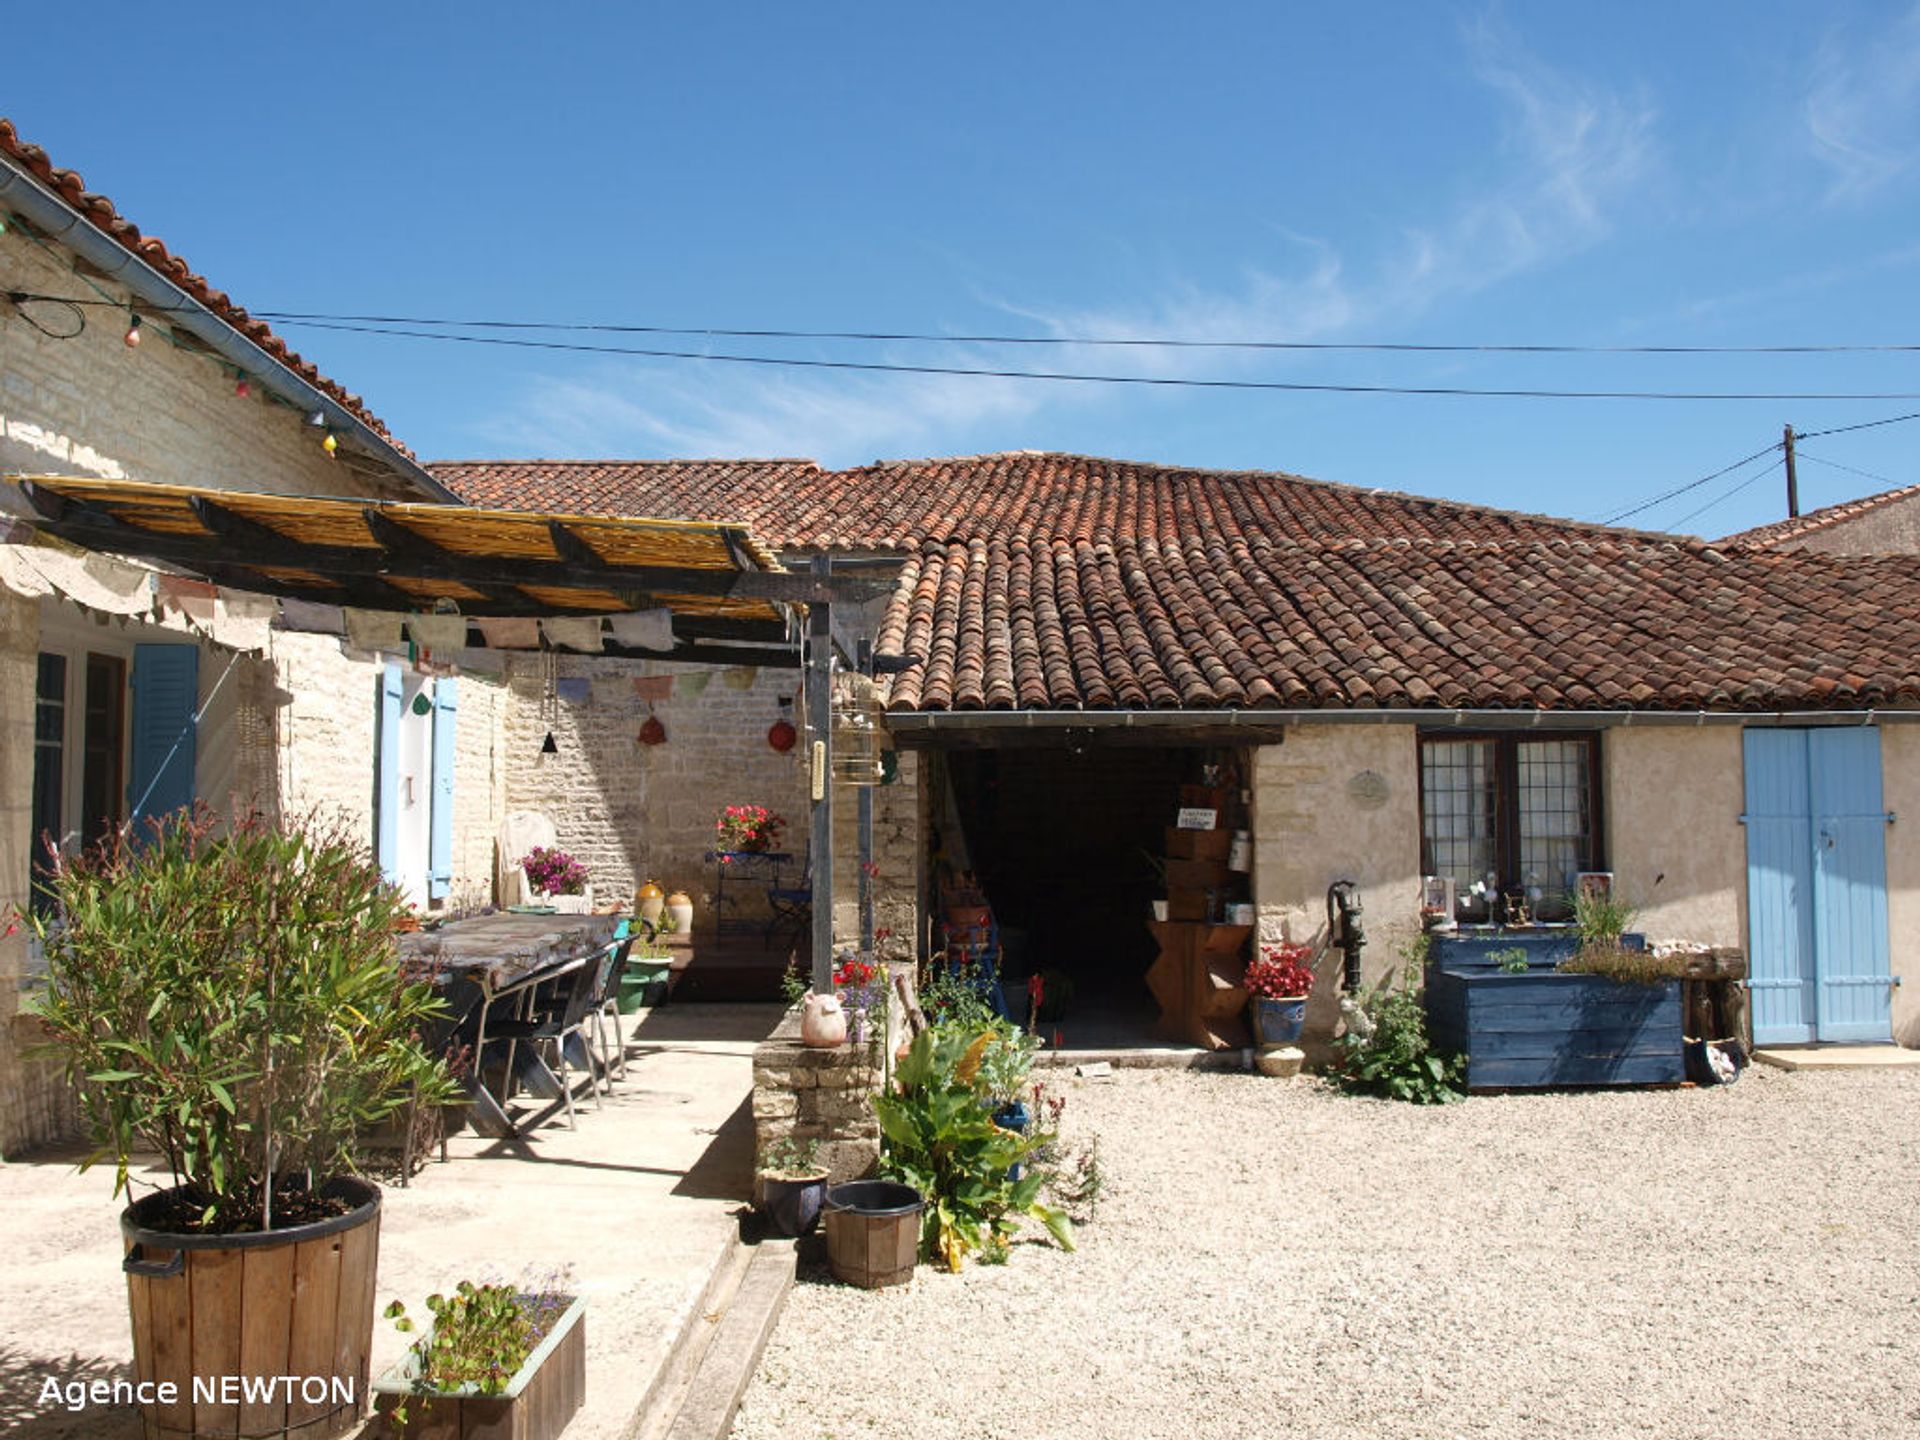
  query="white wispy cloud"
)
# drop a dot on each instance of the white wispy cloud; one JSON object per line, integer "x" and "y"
{"x": 1863, "y": 108}
{"x": 1572, "y": 155}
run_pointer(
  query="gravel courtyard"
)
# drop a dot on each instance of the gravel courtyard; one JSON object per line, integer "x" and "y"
{"x": 1277, "y": 1259}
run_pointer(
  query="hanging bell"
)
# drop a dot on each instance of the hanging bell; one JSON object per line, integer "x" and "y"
{"x": 782, "y": 736}
{"x": 653, "y": 732}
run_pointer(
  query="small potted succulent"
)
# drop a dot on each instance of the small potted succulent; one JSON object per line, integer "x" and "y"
{"x": 793, "y": 1186}
{"x": 561, "y": 879}
{"x": 1277, "y": 986}
{"x": 496, "y": 1360}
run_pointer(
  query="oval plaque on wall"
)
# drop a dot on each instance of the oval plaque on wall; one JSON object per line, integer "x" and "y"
{"x": 1367, "y": 790}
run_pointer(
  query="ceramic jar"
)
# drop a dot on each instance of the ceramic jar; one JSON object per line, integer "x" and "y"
{"x": 823, "y": 1024}
{"x": 680, "y": 912}
{"x": 651, "y": 902}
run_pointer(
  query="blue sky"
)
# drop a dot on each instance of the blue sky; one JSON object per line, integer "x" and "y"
{"x": 1628, "y": 173}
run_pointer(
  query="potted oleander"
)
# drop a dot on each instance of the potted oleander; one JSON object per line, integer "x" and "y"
{"x": 225, "y": 996}
{"x": 558, "y": 879}
{"x": 496, "y": 1360}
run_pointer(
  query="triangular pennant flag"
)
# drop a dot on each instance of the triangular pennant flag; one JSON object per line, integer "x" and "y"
{"x": 694, "y": 683}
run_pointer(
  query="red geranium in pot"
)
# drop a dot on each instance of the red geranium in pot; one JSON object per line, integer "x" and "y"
{"x": 1277, "y": 986}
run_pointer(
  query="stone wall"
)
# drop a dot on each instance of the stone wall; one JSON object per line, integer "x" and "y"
{"x": 1673, "y": 800}
{"x": 92, "y": 405}
{"x": 801, "y": 1093}
{"x": 1338, "y": 802}
{"x": 1891, "y": 528}
{"x": 1900, "y": 793}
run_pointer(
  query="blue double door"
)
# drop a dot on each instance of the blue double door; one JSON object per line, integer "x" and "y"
{"x": 1817, "y": 886}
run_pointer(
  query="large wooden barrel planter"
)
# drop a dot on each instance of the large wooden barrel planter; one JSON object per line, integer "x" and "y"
{"x": 258, "y": 1335}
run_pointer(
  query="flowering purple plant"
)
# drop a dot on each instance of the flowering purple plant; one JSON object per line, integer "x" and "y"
{"x": 554, "y": 872}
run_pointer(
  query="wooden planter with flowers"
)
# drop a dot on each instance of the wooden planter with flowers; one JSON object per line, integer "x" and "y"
{"x": 498, "y": 1364}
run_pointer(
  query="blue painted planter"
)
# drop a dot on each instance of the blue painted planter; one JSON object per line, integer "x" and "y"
{"x": 1544, "y": 1029}
{"x": 1537, "y": 1028}
{"x": 1278, "y": 1022}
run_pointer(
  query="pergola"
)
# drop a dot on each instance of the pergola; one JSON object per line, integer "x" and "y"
{"x": 733, "y": 602}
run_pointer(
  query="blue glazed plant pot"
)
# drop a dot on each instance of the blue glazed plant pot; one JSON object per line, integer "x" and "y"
{"x": 1013, "y": 1116}
{"x": 1278, "y": 1022}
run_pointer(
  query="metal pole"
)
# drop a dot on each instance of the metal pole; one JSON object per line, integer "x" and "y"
{"x": 819, "y": 696}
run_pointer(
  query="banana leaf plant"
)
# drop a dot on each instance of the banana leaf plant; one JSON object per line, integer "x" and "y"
{"x": 941, "y": 1139}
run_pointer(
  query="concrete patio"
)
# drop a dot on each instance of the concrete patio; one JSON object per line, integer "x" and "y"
{"x": 639, "y": 1203}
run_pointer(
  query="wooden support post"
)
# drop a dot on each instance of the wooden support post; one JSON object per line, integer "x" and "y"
{"x": 819, "y": 699}
{"x": 1793, "y": 480}
{"x": 865, "y": 653}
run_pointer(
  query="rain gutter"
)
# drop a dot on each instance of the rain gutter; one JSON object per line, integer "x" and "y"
{"x": 53, "y": 218}
{"x": 957, "y": 720}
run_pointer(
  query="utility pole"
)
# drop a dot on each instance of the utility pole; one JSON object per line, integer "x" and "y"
{"x": 1793, "y": 482}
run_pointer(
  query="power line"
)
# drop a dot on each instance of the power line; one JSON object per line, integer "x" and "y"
{"x": 1727, "y": 494}
{"x": 1678, "y": 490}
{"x": 1168, "y": 381}
{"x": 1805, "y": 454}
{"x": 1163, "y": 342}
{"x": 1137, "y": 342}
{"x": 1863, "y": 425}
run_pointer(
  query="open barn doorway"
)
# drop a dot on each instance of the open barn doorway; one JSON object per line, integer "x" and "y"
{"x": 1068, "y": 846}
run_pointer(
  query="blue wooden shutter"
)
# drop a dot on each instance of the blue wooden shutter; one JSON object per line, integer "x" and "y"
{"x": 1854, "y": 998}
{"x": 440, "y": 846}
{"x": 1779, "y": 887}
{"x": 386, "y": 801}
{"x": 166, "y": 699}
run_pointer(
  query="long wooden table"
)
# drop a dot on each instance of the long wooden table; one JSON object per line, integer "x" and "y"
{"x": 505, "y": 955}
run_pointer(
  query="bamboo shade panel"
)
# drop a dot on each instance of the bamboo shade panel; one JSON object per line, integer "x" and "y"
{"x": 460, "y": 535}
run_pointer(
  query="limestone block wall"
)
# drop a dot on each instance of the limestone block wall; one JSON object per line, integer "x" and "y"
{"x": 35, "y": 1106}
{"x": 1900, "y": 791}
{"x": 1313, "y": 824}
{"x": 92, "y": 406}
{"x": 1673, "y": 800}
{"x": 634, "y": 812}
{"x": 897, "y": 856}
{"x": 820, "y": 1095}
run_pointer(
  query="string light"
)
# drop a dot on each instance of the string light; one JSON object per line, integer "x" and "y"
{"x": 329, "y": 444}
{"x": 242, "y": 388}
{"x": 133, "y": 330}
{"x": 317, "y": 419}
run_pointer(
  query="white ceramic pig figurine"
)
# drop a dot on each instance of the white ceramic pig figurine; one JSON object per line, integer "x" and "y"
{"x": 823, "y": 1024}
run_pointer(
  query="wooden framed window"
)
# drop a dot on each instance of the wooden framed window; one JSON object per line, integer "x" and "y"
{"x": 1511, "y": 813}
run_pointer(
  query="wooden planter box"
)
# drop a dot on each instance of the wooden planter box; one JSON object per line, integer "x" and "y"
{"x": 1543, "y": 1028}
{"x": 537, "y": 1404}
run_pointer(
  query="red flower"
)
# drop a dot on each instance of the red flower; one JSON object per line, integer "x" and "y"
{"x": 1280, "y": 973}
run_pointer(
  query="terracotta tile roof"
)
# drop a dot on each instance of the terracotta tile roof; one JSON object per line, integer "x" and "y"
{"x": 899, "y": 504}
{"x": 1785, "y": 532}
{"x": 99, "y": 212}
{"x": 1222, "y": 621}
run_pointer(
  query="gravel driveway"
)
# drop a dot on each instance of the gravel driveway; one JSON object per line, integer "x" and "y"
{"x": 1276, "y": 1259}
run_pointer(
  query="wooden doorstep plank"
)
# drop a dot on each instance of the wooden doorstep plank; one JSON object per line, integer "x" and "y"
{"x": 217, "y": 1313}
{"x": 1535, "y": 1074}
{"x": 267, "y": 1284}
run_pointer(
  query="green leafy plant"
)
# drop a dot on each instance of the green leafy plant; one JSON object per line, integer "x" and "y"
{"x": 1079, "y": 1182}
{"x": 789, "y": 1158}
{"x": 940, "y": 1138}
{"x": 1601, "y": 918}
{"x": 229, "y": 996}
{"x": 1007, "y": 1063}
{"x": 480, "y": 1337}
{"x": 949, "y": 995}
{"x": 1388, "y": 1053}
{"x": 1512, "y": 960}
{"x": 793, "y": 984}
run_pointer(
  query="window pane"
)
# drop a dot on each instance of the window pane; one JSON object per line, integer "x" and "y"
{"x": 1556, "y": 819}
{"x": 49, "y": 731}
{"x": 1459, "y": 795}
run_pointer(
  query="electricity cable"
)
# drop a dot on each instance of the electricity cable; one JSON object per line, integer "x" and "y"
{"x": 1728, "y": 494}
